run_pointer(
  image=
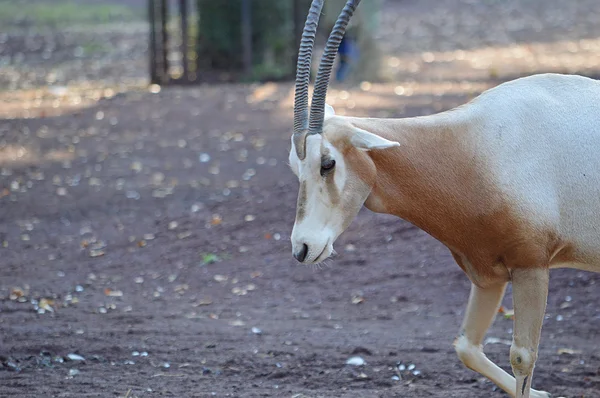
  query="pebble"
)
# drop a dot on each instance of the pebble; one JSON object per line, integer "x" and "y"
{"x": 75, "y": 357}
{"x": 256, "y": 330}
{"x": 355, "y": 361}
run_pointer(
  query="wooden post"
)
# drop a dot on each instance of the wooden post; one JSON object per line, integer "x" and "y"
{"x": 152, "y": 44}
{"x": 183, "y": 11}
{"x": 165, "y": 41}
{"x": 246, "y": 10}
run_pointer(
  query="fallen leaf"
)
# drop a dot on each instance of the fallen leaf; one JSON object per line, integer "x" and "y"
{"x": 216, "y": 219}
{"x": 46, "y": 304}
{"x": 15, "y": 293}
{"x": 113, "y": 293}
{"x": 202, "y": 302}
{"x": 508, "y": 314}
{"x": 568, "y": 351}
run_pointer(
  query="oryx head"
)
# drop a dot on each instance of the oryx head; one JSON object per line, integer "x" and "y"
{"x": 328, "y": 155}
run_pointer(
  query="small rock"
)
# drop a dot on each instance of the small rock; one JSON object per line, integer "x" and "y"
{"x": 355, "y": 361}
{"x": 75, "y": 357}
{"x": 73, "y": 372}
{"x": 256, "y": 330}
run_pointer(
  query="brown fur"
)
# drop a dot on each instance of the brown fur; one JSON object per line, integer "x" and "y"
{"x": 437, "y": 182}
{"x": 301, "y": 206}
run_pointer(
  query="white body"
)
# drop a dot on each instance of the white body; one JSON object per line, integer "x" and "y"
{"x": 540, "y": 137}
{"x": 509, "y": 182}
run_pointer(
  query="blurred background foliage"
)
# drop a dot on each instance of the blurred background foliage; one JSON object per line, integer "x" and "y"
{"x": 53, "y": 13}
{"x": 220, "y": 42}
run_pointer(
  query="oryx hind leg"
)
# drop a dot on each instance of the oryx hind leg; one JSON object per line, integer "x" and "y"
{"x": 530, "y": 293}
{"x": 481, "y": 309}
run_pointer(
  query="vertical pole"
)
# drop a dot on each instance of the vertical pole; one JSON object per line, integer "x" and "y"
{"x": 247, "y": 35}
{"x": 183, "y": 10}
{"x": 165, "y": 41}
{"x": 152, "y": 44}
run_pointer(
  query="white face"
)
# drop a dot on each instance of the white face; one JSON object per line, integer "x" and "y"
{"x": 331, "y": 190}
{"x": 319, "y": 214}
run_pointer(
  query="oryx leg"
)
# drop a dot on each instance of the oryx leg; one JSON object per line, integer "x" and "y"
{"x": 481, "y": 310}
{"x": 530, "y": 293}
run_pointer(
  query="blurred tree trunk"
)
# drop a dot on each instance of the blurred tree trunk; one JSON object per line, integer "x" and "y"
{"x": 221, "y": 44}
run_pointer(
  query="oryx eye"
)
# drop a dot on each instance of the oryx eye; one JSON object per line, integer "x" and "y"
{"x": 327, "y": 165}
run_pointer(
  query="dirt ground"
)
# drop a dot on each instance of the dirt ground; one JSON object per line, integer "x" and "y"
{"x": 144, "y": 240}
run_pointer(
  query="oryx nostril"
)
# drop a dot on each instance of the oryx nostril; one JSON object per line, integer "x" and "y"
{"x": 301, "y": 254}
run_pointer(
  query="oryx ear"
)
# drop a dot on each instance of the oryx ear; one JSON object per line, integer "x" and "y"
{"x": 362, "y": 139}
{"x": 329, "y": 112}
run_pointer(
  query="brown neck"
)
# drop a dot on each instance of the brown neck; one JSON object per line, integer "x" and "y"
{"x": 431, "y": 178}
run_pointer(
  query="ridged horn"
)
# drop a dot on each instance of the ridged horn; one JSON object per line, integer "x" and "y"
{"x": 317, "y": 107}
{"x": 303, "y": 77}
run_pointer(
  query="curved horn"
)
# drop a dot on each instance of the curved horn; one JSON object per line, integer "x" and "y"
{"x": 303, "y": 76}
{"x": 317, "y": 107}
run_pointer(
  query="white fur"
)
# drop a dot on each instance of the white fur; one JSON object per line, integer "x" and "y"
{"x": 547, "y": 126}
{"x": 323, "y": 223}
{"x": 540, "y": 136}
{"x": 364, "y": 140}
{"x": 536, "y": 142}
